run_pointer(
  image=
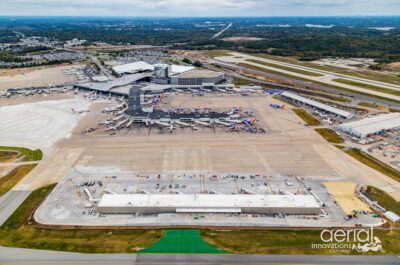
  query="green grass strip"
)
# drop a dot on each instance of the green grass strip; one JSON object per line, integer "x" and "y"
{"x": 286, "y": 68}
{"x": 182, "y": 241}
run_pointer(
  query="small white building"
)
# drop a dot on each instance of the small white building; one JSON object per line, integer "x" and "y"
{"x": 373, "y": 125}
{"x": 392, "y": 216}
{"x": 208, "y": 203}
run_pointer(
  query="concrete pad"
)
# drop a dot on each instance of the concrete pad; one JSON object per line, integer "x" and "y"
{"x": 41, "y": 77}
{"x": 39, "y": 124}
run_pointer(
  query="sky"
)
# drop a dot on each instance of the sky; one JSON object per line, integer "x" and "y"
{"x": 204, "y": 8}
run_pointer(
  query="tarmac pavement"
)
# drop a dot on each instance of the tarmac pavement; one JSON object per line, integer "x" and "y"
{"x": 16, "y": 256}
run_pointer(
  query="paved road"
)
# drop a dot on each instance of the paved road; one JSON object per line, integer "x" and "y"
{"x": 222, "y": 31}
{"x": 28, "y": 256}
{"x": 10, "y": 201}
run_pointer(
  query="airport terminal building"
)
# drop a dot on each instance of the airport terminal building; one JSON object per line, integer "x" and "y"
{"x": 197, "y": 77}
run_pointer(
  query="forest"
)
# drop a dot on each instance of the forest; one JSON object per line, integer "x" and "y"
{"x": 306, "y": 38}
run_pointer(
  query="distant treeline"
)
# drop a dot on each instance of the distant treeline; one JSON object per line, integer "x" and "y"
{"x": 329, "y": 36}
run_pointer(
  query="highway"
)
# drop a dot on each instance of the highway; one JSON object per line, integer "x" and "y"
{"x": 222, "y": 31}
{"x": 17, "y": 256}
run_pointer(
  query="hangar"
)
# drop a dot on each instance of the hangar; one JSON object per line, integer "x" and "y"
{"x": 372, "y": 125}
{"x": 208, "y": 203}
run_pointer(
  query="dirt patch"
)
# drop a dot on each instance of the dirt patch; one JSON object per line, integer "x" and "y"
{"x": 344, "y": 194}
{"x": 395, "y": 65}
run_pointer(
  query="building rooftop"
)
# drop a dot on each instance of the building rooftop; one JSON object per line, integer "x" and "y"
{"x": 319, "y": 105}
{"x": 118, "y": 82}
{"x": 132, "y": 68}
{"x": 208, "y": 200}
{"x": 197, "y": 73}
{"x": 373, "y": 124}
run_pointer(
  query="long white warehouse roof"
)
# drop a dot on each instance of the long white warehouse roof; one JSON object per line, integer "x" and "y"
{"x": 372, "y": 125}
{"x": 319, "y": 105}
{"x": 209, "y": 201}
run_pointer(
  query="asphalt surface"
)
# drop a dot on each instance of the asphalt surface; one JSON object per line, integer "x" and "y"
{"x": 10, "y": 201}
{"x": 28, "y": 256}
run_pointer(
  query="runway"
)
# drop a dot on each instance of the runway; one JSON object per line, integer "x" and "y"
{"x": 326, "y": 77}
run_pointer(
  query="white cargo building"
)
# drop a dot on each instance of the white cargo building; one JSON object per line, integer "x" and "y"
{"x": 318, "y": 105}
{"x": 372, "y": 125}
{"x": 208, "y": 203}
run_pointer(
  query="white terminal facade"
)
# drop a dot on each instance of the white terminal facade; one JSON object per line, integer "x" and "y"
{"x": 318, "y": 105}
{"x": 208, "y": 203}
{"x": 373, "y": 125}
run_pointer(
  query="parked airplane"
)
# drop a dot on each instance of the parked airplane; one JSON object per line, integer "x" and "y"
{"x": 276, "y": 106}
{"x": 106, "y": 122}
{"x": 112, "y": 128}
{"x": 202, "y": 123}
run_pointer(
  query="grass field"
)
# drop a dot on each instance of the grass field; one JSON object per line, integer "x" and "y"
{"x": 372, "y": 75}
{"x": 6, "y": 156}
{"x": 330, "y": 135}
{"x": 30, "y": 155}
{"x": 307, "y": 117}
{"x": 374, "y": 163}
{"x": 340, "y": 147}
{"x": 217, "y": 53}
{"x": 241, "y": 82}
{"x": 286, "y": 241}
{"x": 261, "y": 69}
{"x": 181, "y": 241}
{"x": 366, "y": 86}
{"x": 249, "y": 66}
{"x": 286, "y": 68}
{"x": 16, "y": 232}
{"x": 384, "y": 199}
{"x": 368, "y": 105}
{"x": 11, "y": 179}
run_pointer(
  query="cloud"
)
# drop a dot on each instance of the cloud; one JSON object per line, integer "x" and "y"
{"x": 199, "y": 7}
